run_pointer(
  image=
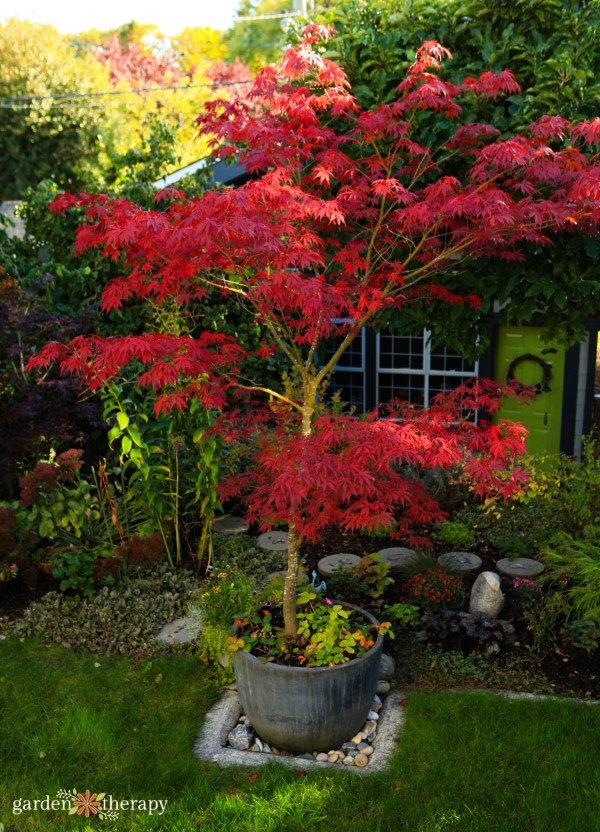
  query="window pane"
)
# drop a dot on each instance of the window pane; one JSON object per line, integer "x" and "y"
{"x": 401, "y": 386}
{"x": 400, "y": 351}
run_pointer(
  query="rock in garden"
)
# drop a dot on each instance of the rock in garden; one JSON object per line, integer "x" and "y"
{"x": 366, "y": 749}
{"x": 398, "y": 557}
{"x": 373, "y": 715}
{"x": 463, "y": 562}
{"x": 386, "y": 668}
{"x": 230, "y": 525}
{"x": 356, "y": 739}
{"x": 486, "y": 595}
{"x": 332, "y": 758}
{"x": 348, "y": 761}
{"x": 360, "y": 760}
{"x": 383, "y": 687}
{"x": 520, "y": 567}
{"x": 329, "y": 565}
{"x": 369, "y": 726}
{"x": 240, "y": 738}
{"x": 324, "y": 758}
{"x": 273, "y": 541}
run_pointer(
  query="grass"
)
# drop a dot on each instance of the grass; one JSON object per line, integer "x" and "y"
{"x": 464, "y": 761}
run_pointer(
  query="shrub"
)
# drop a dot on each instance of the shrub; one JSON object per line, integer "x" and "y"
{"x": 457, "y": 535}
{"x": 435, "y": 588}
{"x": 479, "y": 629}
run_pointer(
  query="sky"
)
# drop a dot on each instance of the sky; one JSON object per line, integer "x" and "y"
{"x": 171, "y": 16}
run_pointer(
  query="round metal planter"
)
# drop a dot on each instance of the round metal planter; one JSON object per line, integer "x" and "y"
{"x": 308, "y": 708}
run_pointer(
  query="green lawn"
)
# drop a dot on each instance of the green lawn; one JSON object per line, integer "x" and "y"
{"x": 464, "y": 762}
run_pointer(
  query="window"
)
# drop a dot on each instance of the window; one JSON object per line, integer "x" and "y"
{"x": 388, "y": 365}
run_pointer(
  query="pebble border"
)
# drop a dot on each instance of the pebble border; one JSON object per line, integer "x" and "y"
{"x": 211, "y": 745}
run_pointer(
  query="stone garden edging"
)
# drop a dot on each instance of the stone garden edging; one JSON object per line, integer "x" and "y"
{"x": 211, "y": 743}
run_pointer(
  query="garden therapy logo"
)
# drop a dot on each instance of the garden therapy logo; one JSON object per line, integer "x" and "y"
{"x": 87, "y": 804}
{"x": 101, "y": 805}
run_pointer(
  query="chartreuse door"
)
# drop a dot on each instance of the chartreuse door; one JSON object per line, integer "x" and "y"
{"x": 522, "y": 355}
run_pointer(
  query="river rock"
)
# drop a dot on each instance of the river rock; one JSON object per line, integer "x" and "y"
{"x": 332, "y": 758}
{"x": 240, "y": 738}
{"x": 323, "y": 758}
{"x": 360, "y": 760}
{"x": 486, "y": 595}
{"x": 348, "y": 761}
{"x": 386, "y": 668}
{"x": 383, "y": 687}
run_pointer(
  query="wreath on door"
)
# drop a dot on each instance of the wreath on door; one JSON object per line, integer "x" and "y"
{"x": 543, "y": 386}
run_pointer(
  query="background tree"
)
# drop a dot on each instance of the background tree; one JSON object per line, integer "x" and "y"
{"x": 262, "y": 41}
{"x": 44, "y": 138}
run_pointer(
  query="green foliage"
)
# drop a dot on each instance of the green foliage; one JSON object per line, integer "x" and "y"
{"x": 257, "y": 42}
{"x": 328, "y": 634}
{"x": 457, "y": 535}
{"x": 582, "y": 634}
{"x": 367, "y": 580}
{"x": 546, "y": 618}
{"x": 116, "y": 620}
{"x": 170, "y": 467}
{"x": 566, "y": 488}
{"x": 551, "y": 46}
{"x": 58, "y": 499}
{"x": 402, "y": 614}
{"x": 39, "y": 139}
{"x": 75, "y": 570}
{"x": 222, "y": 598}
{"x": 239, "y": 553}
{"x": 577, "y": 564}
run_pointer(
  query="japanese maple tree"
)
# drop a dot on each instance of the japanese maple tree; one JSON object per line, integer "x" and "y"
{"x": 351, "y": 214}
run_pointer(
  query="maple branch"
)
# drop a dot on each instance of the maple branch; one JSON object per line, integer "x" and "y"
{"x": 270, "y": 392}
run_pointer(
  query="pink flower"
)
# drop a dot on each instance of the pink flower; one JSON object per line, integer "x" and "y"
{"x": 329, "y": 602}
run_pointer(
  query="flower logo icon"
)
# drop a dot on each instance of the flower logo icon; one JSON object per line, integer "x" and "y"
{"x": 86, "y": 804}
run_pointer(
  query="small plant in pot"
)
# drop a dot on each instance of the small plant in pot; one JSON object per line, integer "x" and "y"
{"x": 353, "y": 216}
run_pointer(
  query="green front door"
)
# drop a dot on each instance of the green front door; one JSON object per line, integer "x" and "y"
{"x": 520, "y": 351}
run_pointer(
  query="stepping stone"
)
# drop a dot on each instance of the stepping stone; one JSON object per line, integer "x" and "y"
{"x": 398, "y": 557}
{"x": 273, "y": 541}
{"x": 462, "y": 562}
{"x": 175, "y": 633}
{"x": 329, "y": 565}
{"x": 230, "y": 525}
{"x": 520, "y": 567}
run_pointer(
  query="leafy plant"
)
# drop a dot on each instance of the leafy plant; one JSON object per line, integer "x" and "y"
{"x": 546, "y": 619}
{"x": 368, "y": 579}
{"x": 435, "y": 588}
{"x": 360, "y": 213}
{"x": 582, "y": 634}
{"x": 222, "y": 597}
{"x": 328, "y": 634}
{"x": 402, "y": 614}
{"x": 75, "y": 570}
{"x": 457, "y": 535}
{"x": 451, "y": 625}
{"x": 577, "y": 564}
{"x": 57, "y": 497}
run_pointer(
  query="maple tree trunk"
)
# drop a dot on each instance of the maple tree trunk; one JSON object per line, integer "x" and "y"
{"x": 290, "y": 620}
